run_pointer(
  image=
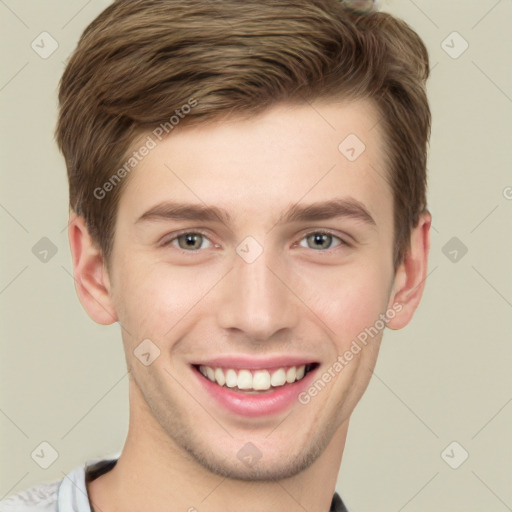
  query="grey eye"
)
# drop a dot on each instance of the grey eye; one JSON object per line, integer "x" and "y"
{"x": 190, "y": 241}
{"x": 319, "y": 241}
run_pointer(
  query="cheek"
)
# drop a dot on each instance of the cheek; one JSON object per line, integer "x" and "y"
{"x": 348, "y": 299}
{"x": 154, "y": 299}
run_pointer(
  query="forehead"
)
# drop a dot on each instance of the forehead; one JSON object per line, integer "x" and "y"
{"x": 287, "y": 154}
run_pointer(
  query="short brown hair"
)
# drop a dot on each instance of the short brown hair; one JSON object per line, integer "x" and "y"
{"x": 140, "y": 60}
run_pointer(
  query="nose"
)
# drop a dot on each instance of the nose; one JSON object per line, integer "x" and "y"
{"x": 257, "y": 298}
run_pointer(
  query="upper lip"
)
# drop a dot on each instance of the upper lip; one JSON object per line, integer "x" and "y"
{"x": 254, "y": 363}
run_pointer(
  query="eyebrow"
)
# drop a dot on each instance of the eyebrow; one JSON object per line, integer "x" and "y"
{"x": 335, "y": 208}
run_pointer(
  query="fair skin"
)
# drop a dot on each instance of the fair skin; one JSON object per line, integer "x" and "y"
{"x": 305, "y": 297}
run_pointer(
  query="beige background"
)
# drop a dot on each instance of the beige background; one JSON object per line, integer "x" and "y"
{"x": 446, "y": 377}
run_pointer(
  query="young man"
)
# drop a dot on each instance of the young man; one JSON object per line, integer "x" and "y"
{"x": 248, "y": 201}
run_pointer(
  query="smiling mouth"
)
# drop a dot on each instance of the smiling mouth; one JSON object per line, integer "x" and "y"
{"x": 255, "y": 381}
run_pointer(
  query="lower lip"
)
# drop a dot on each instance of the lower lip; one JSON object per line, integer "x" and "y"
{"x": 253, "y": 405}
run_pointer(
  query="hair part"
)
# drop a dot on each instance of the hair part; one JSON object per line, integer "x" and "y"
{"x": 140, "y": 61}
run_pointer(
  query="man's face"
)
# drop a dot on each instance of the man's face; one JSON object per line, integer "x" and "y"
{"x": 255, "y": 291}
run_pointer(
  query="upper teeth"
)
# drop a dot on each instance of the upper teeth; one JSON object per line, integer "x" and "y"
{"x": 258, "y": 380}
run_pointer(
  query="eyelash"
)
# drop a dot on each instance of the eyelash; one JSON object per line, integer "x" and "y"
{"x": 306, "y": 235}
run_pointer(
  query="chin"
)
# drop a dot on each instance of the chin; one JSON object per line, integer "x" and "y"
{"x": 270, "y": 464}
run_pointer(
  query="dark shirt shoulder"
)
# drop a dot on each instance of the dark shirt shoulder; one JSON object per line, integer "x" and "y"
{"x": 337, "y": 504}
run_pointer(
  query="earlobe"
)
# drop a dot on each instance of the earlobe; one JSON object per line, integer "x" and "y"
{"x": 91, "y": 279}
{"x": 410, "y": 276}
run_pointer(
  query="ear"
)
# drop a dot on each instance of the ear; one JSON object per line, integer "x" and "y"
{"x": 409, "y": 281}
{"x": 90, "y": 274}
